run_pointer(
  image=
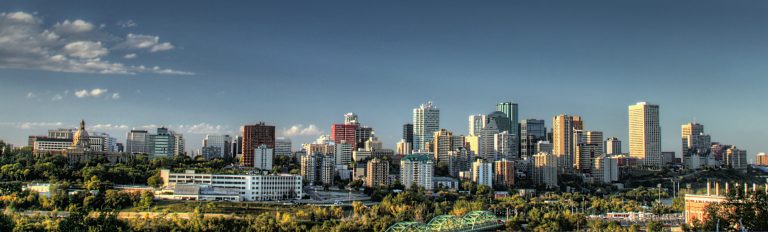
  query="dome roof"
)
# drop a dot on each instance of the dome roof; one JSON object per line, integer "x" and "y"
{"x": 81, "y": 138}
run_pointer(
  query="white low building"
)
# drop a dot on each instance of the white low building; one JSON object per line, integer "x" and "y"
{"x": 250, "y": 187}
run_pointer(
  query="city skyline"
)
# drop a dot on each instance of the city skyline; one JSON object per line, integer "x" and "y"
{"x": 701, "y": 66}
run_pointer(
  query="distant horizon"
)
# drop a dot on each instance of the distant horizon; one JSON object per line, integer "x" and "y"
{"x": 210, "y": 68}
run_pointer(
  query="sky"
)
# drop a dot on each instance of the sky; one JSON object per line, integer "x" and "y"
{"x": 201, "y": 67}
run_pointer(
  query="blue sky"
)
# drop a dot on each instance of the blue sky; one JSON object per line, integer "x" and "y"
{"x": 302, "y": 65}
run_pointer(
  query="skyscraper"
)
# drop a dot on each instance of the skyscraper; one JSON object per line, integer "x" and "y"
{"x": 531, "y": 132}
{"x": 408, "y": 133}
{"x": 351, "y": 119}
{"x": 486, "y": 147}
{"x": 445, "y": 142}
{"x": 545, "y": 168}
{"x": 645, "y": 133}
{"x": 504, "y": 172}
{"x": 253, "y": 137}
{"x": 510, "y": 110}
{"x": 163, "y": 143}
{"x": 562, "y": 139}
{"x": 345, "y": 132}
{"x": 476, "y": 123}
{"x": 505, "y": 146}
{"x": 694, "y": 140}
{"x": 426, "y": 120}
{"x": 612, "y": 146}
{"x": 362, "y": 134}
{"x": 137, "y": 142}
{"x": 223, "y": 142}
{"x": 283, "y": 146}
{"x": 482, "y": 172}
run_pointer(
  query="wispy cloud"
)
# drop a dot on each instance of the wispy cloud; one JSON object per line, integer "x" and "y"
{"x": 76, "y": 46}
{"x": 300, "y": 130}
{"x": 97, "y": 92}
{"x": 110, "y": 126}
{"x": 32, "y": 125}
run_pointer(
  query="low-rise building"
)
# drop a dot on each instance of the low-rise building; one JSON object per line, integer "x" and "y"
{"x": 249, "y": 187}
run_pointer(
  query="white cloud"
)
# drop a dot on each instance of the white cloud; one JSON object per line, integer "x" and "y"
{"x": 110, "y": 126}
{"x": 203, "y": 128}
{"x": 127, "y": 23}
{"x": 97, "y": 92}
{"x": 300, "y": 130}
{"x": 27, "y": 43}
{"x": 137, "y": 41}
{"x": 130, "y": 56}
{"x": 57, "y": 97}
{"x": 30, "y": 125}
{"x": 31, "y": 95}
{"x": 85, "y": 49}
{"x": 75, "y": 26}
{"x": 116, "y": 96}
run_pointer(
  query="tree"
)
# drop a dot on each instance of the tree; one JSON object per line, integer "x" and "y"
{"x": 155, "y": 180}
{"x": 654, "y": 226}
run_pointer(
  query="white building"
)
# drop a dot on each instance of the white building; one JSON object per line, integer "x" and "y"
{"x": 343, "y": 153}
{"x": 612, "y": 146}
{"x": 417, "y": 169}
{"x": 250, "y": 187}
{"x": 263, "y": 156}
{"x": 486, "y": 148}
{"x": 476, "y": 123}
{"x": 482, "y": 173}
{"x": 545, "y": 169}
{"x": 426, "y": 120}
{"x": 606, "y": 169}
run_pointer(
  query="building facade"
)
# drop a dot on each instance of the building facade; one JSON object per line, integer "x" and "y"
{"x": 645, "y": 133}
{"x": 418, "y": 170}
{"x": 426, "y": 120}
{"x": 254, "y": 136}
{"x": 251, "y": 187}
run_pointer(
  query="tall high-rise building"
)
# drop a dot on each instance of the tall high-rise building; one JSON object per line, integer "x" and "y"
{"x": 254, "y": 136}
{"x": 476, "y": 123}
{"x": 531, "y": 132}
{"x": 694, "y": 140}
{"x": 362, "y": 134}
{"x": 343, "y": 153}
{"x": 486, "y": 147}
{"x": 263, "y": 156}
{"x": 318, "y": 168}
{"x": 645, "y": 133}
{"x": 408, "y": 133}
{"x": 544, "y": 146}
{"x": 612, "y": 146}
{"x": 563, "y": 127}
{"x": 137, "y": 142}
{"x": 735, "y": 158}
{"x": 404, "y": 147}
{"x": 482, "y": 172}
{"x": 426, "y": 120}
{"x": 511, "y": 111}
{"x": 417, "y": 169}
{"x": 237, "y": 147}
{"x": 376, "y": 173}
{"x": 373, "y": 143}
{"x": 223, "y": 142}
{"x": 606, "y": 169}
{"x": 351, "y": 119}
{"x": 179, "y": 145}
{"x": 283, "y": 146}
{"x": 761, "y": 159}
{"x": 445, "y": 142}
{"x": 345, "y": 132}
{"x": 505, "y": 146}
{"x": 500, "y": 118}
{"x": 163, "y": 143}
{"x": 545, "y": 168}
{"x": 504, "y": 172}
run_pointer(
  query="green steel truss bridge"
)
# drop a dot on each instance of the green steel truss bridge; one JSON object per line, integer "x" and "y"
{"x": 472, "y": 221}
